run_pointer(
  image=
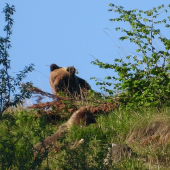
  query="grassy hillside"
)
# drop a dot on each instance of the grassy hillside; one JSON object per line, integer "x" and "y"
{"x": 145, "y": 131}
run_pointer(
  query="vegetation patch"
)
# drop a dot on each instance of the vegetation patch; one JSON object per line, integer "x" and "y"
{"x": 132, "y": 129}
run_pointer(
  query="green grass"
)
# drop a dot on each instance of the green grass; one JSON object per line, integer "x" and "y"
{"x": 145, "y": 131}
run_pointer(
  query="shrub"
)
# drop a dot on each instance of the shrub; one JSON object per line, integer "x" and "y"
{"x": 143, "y": 79}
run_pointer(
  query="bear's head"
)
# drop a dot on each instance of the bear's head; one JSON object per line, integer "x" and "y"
{"x": 64, "y": 79}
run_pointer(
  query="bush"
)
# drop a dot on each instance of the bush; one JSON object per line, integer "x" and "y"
{"x": 142, "y": 81}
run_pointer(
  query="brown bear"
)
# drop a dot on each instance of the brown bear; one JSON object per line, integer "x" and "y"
{"x": 64, "y": 79}
{"x": 82, "y": 116}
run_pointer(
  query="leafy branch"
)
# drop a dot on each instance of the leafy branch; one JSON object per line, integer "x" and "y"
{"x": 140, "y": 81}
{"x": 9, "y": 84}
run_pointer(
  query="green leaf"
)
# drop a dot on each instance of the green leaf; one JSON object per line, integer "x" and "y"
{"x": 117, "y": 28}
{"x": 145, "y": 19}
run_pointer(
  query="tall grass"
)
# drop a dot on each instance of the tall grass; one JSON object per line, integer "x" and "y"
{"x": 146, "y": 131}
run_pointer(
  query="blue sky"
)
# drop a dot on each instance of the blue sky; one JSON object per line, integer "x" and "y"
{"x": 68, "y": 33}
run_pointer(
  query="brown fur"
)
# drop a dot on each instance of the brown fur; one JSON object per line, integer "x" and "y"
{"x": 64, "y": 79}
{"x": 80, "y": 117}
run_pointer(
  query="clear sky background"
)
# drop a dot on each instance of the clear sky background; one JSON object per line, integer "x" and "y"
{"x": 68, "y": 33}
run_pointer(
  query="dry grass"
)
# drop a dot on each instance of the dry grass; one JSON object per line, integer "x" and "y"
{"x": 156, "y": 132}
{"x": 150, "y": 139}
{"x": 66, "y": 105}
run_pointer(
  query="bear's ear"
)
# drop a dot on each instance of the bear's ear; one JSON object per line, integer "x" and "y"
{"x": 71, "y": 70}
{"x": 53, "y": 67}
